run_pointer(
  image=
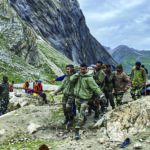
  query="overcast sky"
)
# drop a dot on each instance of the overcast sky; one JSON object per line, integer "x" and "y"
{"x": 117, "y": 22}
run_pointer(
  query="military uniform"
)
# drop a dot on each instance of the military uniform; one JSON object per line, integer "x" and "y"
{"x": 108, "y": 88}
{"x": 4, "y": 97}
{"x": 138, "y": 77}
{"x": 84, "y": 88}
{"x": 121, "y": 81}
{"x": 99, "y": 77}
{"x": 67, "y": 89}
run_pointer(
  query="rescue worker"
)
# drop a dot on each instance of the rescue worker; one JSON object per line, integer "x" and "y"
{"x": 34, "y": 83}
{"x": 11, "y": 86}
{"x": 121, "y": 84}
{"x": 99, "y": 77}
{"x": 4, "y": 95}
{"x": 138, "y": 80}
{"x": 83, "y": 91}
{"x": 39, "y": 90}
{"x": 108, "y": 88}
{"x": 26, "y": 86}
{"x": 67, "y": 88}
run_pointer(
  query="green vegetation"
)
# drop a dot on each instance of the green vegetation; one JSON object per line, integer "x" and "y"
{"x": 54, "y": 56}
{"x": 18, "y": 70}
{"x": 5, "y": 18}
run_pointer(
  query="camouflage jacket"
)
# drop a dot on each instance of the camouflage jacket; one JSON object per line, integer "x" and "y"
{"x": 4, "y": 91}
{"x": 138, "y": 76}
{"x": 99, "y": 77}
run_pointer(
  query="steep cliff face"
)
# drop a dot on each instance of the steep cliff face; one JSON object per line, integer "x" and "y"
{"x": 62, "y": 23}
{"x": 16, "y": 36}
{"x": 23, "y": 54}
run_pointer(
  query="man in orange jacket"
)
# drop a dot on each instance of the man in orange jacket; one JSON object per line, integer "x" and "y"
{"x": 11, "y": 86}
{"x": 26, "y": 86}
{"x": 38, "y": 88}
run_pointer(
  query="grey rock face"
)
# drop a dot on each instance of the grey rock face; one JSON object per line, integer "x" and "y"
{"x": 24, "y": 100}
{"x": 17, "y": 36}
{"x": 128, "y": 120}
{"x": 62, "y": 23}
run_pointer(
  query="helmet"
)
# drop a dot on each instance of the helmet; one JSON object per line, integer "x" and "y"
{"x": 34, "y": 94}
{"x": 40, "y": 80}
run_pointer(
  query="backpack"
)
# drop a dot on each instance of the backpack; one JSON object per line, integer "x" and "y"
{"x": 24, "y": 86}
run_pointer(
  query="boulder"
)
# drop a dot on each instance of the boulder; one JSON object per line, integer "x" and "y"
{"x": 137, "y": 145}
{"x": 24, "y": 100}
{"x": 127, "y": 120}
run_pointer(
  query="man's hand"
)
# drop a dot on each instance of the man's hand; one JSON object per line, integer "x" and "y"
{"x": 78, "y": 74}
{"x": 125, "y": 89}
{"x": 53, "y": 80}
{"x": 56, "y": 92}
{"x": 143, "y": 84}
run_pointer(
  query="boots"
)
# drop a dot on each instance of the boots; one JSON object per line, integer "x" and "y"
{"x": 102, "y": 111}
{"x": 113, "y": 107}
{"x": 70, "y": 120}
{"x": 89, "y": 111}
{"x": 96, "y": 117}
{"x": 65, "y": 121}
{"x": 46, "y": 102}
{"x": 134, "y": 98}
{"x": 77, "y": 136}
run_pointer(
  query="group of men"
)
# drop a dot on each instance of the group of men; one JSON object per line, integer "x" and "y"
{"x": 89, "y": 90}
{"x": 94, "y": 91}
{"x": 37, "y": 88}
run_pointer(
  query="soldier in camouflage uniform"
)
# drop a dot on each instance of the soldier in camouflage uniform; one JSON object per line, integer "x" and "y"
{"x": 67, "y": 88}
{"x": 85, "y": 85}
{"x": 99, "y": 77}
{"x": 121, "y": 85}
{"x": 138, "y": 80}
{"x": 4, "y": 95}
{"x": 109, "y": 84}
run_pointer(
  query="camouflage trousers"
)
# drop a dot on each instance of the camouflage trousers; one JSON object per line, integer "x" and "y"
{"x": 110, "y": 98}
{"x": 134, "y": 93}
{"x": 4, "y": 105}
{"x": 119, "y": 97}
{"x": 81, "y": 105}
{"x": 98, "y": 102}
{"x": 67, "y": 102}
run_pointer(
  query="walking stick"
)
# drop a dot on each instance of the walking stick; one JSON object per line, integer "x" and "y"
{"x": 145, "y": 89}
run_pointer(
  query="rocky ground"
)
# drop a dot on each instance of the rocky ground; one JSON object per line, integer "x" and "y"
{"x": 30, "y": 123}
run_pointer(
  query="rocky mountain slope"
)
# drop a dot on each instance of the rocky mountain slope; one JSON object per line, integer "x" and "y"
{"x": 62, "y": 23}
{"x": 128, "y": 56}
{"x": 24, "y": 54}
{"x": 38, "y": 38}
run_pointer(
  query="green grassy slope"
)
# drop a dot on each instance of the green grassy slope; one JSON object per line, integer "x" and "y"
{"x": 18, "y": 70}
